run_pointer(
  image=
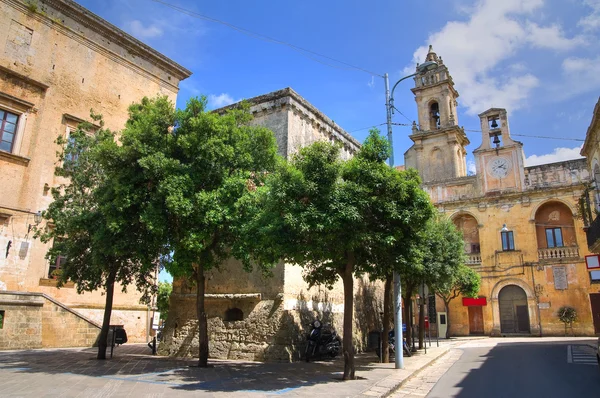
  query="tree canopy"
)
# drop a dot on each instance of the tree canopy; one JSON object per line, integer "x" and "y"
{"x": 94, "y": 226}
{"x": 338, "y": 219}
{"x": 200, "y": 169}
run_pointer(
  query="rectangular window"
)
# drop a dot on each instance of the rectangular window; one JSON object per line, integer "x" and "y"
{"x": 475, "y": 248}
{"x": 554, "y": 237}
{"x": 508, "y": 242}
{"x": 2, "y": 312}
{"x": 56, "y": 263}
{"x": 8, "y": 130}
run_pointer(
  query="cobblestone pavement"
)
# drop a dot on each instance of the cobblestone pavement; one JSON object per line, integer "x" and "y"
{"x": 419, "y": 385}
{"x": 133, "y": 373}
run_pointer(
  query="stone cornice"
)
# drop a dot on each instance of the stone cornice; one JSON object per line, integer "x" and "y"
{"x": 590, "y": 142}
{"x": 288, "y": 96}
{"x": 514, "y": 197}
{"x": 107, "y": 30}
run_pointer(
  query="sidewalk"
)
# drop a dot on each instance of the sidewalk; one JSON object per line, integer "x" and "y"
{"x": 132, "y": 372}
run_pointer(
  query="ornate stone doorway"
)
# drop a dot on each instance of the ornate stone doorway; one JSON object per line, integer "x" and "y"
{"x": 514, "y": 308}
{"x": 514, "y": 314}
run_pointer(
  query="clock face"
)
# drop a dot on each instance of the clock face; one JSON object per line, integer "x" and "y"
{"x": 499, "y": 167}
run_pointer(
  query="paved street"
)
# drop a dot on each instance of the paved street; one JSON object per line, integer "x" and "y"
{"x": 134, "y": 373}
{"x": 510, "y": 367}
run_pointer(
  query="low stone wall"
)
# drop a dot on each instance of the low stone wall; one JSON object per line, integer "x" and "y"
{"x": 63, "y": 327}
{"x": 35, "y": 320}
{"x": 22, "y": 323}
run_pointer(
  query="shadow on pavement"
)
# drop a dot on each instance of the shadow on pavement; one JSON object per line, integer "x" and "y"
{"x": 131, "y": 363}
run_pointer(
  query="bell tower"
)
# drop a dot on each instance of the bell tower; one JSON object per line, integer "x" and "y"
{"x": 439, "y": 149}
{"x": 499, "y": 159}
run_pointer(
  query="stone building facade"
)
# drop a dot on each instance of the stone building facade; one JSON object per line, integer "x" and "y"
{"x": 520, "y": 224}
{"x": 590, "y": 208}
{"x": 256, "y": 318}
{"x": 58, "y": 61}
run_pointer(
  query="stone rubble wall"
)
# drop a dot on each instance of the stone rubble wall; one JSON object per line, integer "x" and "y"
{"x": 272, "y": 329}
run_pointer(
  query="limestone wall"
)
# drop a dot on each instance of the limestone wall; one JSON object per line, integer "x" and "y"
{"x": 35, "y": 320}
{"x": 572, "y": 172}
{"x": 22, "y": 324}
{"x": 272, "y": 328}
{"x": 58, "y": 61}
{"x": 62, "y": 327}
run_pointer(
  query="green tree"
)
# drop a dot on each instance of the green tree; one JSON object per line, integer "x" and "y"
{"x": 448, "y": 275}
{"x": 336, "y": 218}
{"x": 201, "y": 170}
{"x": 94, "y": 225}
{"x": 162, "y": 299}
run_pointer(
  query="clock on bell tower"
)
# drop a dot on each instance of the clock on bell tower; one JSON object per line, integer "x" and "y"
{"x": 499, "y": 158}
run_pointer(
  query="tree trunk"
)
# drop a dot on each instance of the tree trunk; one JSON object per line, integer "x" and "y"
{"x": 447, "y": 306}
{"x": 202, "y": 320}
{"x": 421, "y": 322}
{"x": 387, "y": 306}
{"x": 110, "y": 290}
{"x": 407, "y": 301}
{"x": 348, "y": 346}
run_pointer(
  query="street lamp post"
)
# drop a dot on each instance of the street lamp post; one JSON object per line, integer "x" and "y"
{"x": 389, "y": 104}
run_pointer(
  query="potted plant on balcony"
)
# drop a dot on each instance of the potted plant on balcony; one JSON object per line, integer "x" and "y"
{"x": 567, "y": 315}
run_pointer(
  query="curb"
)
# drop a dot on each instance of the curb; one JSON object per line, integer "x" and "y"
{"x": 376, "y": 390}
{"x": 415, "y": 373}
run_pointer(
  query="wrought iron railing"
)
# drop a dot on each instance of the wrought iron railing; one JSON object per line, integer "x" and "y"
{"x": 550, "y": 253}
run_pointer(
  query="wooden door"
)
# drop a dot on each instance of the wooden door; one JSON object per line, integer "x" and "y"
{"x": 522, "y": 318}
{"x": 595, "y": 301}
{"x": 475, "y": 320}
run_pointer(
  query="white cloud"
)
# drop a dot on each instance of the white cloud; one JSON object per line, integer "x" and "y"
{"x": 558, "y": 155}
{"x": 580, "y": 74}
{"x": 551, "y": 37}
{"x": 471, "y": 168}
{"x": 217, "y": 101}
{"x": 371, "y": 83}
{"x": 475, "y": 49}
{"x": 137, "y": 29}
{"x": 592, "y": 21}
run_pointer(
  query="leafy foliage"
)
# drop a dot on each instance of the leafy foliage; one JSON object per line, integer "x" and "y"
{"x": 567, "y": 314}
{"x": 338, "y": 219}
{"x": 199, "y": 171}
{"x": 104, "y": 240}
{"x": 162, "y": 300}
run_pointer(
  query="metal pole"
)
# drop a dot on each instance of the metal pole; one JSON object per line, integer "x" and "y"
{"x": 399, "y": 354}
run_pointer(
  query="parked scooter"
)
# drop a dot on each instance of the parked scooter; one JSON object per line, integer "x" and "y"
{"x": 322, "y": 341}
{"x": 392, "y": 346}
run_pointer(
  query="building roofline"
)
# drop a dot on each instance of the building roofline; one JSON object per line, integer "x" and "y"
{"x": 588, "y": 134}
{"x": 94, "y": 22}
{"x": 289, "y": 92}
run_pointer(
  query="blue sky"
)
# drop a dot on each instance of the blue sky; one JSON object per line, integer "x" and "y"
{"x": 537, "y": 58}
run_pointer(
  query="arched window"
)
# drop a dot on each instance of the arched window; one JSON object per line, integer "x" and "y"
{"x": 233, "y": 314}
{"x": 434, "y": 112}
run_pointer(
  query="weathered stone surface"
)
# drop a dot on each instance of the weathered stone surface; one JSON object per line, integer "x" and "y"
{"x": 58, "y": 61}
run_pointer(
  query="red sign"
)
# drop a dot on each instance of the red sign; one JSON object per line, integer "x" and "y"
{"x": 473, "y": 302}
{"x": 426, "y": 322}
{"x": 592, "y": 261}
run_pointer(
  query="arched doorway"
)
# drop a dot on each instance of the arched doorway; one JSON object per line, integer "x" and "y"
{"x": 514, "y": 313}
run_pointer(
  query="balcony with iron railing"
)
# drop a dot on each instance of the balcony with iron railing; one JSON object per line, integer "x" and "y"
{"x": 557, "y": 253}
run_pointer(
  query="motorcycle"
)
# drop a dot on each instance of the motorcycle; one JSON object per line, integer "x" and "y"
{"x": 322, "y": 341}
{"x": 392, "y": 346}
